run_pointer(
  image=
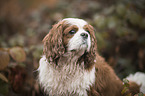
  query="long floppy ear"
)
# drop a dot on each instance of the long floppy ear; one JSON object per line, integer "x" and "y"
{"x": 53, "y": 43}
{"x": 93, "y": 49}
{"x": 89, "y": 57}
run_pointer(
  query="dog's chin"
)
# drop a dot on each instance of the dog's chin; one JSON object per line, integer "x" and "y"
{"x": 84, "y": 47}
{"x": 81, "y": 49}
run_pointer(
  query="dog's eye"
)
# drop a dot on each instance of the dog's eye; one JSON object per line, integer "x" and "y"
{"x": 72, "y": 32}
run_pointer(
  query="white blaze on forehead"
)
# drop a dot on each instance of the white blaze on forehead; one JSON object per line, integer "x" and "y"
{"x": 76, "y": 42}
{"x": 75, "y": 21}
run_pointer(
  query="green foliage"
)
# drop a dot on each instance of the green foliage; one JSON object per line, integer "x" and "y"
{"x": 125, "y": 88}
{"x": 139, "y": 94}
{"x": 4, "y": 88}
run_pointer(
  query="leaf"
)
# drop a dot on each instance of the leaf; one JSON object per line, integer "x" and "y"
{"x": 134, "y": 17}
{"x": 126, "y": 82}
{"x": 17, "y": 78}
{"x": 4, "y": 88}
{"x": 4, "y": 59}
{"x": 125, "y": 89}
{"x": 112, "y": 22}
{"x": 100, "y": 21}
{"x": 3, "y": 78}
{"x": 129, "y": 94}
{"x": 142, "y": 24}
{"x": 121, "y": 9}
{"x": 18, "y": 54}
{"x": 139, "y": 94}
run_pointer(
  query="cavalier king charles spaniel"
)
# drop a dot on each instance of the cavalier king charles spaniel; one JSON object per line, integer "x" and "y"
{"x": 71, "y": 65}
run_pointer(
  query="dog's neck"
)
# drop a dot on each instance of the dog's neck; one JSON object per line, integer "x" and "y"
{"x": 70, "y": 57}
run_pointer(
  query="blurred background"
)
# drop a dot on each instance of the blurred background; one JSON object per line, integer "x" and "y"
{"x": 120, "y": 32}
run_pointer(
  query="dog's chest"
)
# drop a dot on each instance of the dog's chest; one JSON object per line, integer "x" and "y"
{"x": 69, "y": 80}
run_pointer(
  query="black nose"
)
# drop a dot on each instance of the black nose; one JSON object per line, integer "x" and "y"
{"x": 84, "y": 35}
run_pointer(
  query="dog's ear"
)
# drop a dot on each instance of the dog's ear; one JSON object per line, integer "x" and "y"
{"x": 90, "y": 56}
{"x": 93, "y": 49}
{"x": 53, "y": 43}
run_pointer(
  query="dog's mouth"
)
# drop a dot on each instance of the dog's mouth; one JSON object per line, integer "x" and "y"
{"x": 80, "y": 45}
{"x": 83, "y": 47}
{"x": 84, "y": 43}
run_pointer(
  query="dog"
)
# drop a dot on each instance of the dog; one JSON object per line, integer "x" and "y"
{"x": 71, "y": 65}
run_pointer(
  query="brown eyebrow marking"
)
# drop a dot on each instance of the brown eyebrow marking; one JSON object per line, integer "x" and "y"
{"x": 74, "y": 27}
{"x": 88, "y": 28}
{"x": 65, "y": 25}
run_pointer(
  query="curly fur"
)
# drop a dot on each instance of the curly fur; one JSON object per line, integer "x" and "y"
{"x": 53, "y": 43}
{"x": 66, "y": 69}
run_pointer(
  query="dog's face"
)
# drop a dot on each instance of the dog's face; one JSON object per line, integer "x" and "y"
{"x": 76, "y": 35}
{"x": 70, "y": 35}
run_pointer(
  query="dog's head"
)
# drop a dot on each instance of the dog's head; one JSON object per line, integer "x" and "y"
{"x": 70, "y": 35}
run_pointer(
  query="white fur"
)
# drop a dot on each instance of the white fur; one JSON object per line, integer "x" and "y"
{"x": 139, "y": 78}
{"x": 69, "y": 79}
{"x": 76, "y": 21}
{"x": 77, "y": 42}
